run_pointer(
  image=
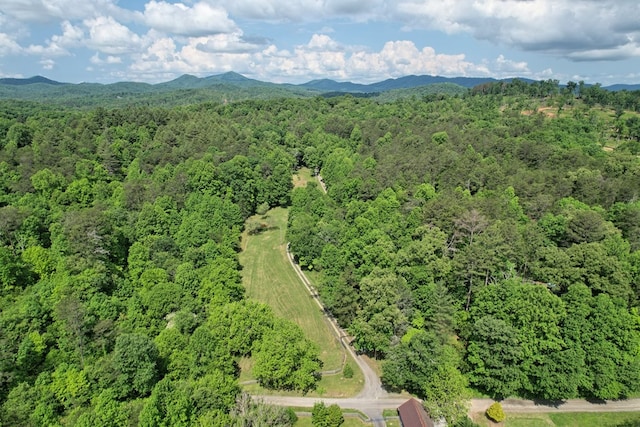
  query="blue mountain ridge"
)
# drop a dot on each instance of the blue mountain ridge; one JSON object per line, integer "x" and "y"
{"x": 188, "y": 81}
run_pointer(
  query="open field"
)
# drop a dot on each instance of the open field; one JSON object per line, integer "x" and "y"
{"x": 269, "y": 278}
{"x": 328, "y": 386}
{"x": 301, "y": 178}
{"x": 575, "y": 419}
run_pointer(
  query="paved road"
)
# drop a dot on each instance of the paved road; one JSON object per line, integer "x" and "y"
{"x": 371, "y": 407}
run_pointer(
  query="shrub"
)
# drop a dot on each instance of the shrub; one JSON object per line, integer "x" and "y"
{"x": 496, "y": 413}
{"x": 347, "y": 372}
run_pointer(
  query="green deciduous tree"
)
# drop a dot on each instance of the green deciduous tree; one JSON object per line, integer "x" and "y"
{"x": 286, "y": 360}
{"x": 535, "y": 315}
{"x": 168, "y": 405}
{"x": 494, "y": 356}
{"x": 379, "y": 318}
{"x": 426, "y": 366}
{"x": 326, "y": 416}
{"x": 135, "y": 358}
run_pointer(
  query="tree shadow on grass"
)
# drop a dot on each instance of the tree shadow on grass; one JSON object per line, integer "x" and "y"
{"x": 630, "y": 423}
{"x": 549, "y": 402}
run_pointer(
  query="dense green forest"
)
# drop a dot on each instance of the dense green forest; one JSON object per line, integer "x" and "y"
{"x": 487, "y": 240}
{"x": 121, "y": 293}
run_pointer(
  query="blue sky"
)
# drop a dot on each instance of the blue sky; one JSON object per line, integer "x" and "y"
{"x": 300, "y": 40}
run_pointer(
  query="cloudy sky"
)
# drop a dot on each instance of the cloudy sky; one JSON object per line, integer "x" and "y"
{"x": 300, "y": 40}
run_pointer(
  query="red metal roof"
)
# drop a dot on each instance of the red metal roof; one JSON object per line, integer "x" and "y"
{"x": 412, "y": 414}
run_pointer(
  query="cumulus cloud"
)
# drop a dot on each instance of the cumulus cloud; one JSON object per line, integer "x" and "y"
{"x": 320, "y": 57}
{"x": 201, "y": 19}
{"x": 229, "y": 43}
{"x": 164, "y": 57}
{"x": 275, "y": 10}
{"x": 111, "y": 37}
{"x": 48, "y": 10}
{"x": 322, "y": 42}
{"x": 58, "y": 45}
{"x": 96, "y": 59}
{"x": 399, "y": 58}
{"x": 570, "y": 28}
{"x": 8, "y": 45}
{"x": 505, "y": 65}
{"x": 47, "y": 64}
{"x": 6, "y": 75}
{"x": 307, "y": 10}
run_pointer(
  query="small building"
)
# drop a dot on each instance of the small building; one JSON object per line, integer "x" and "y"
{"x": 412, "y": 414}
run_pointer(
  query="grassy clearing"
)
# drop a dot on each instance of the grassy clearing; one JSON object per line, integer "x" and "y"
{"x": 606, "y": 419}
{"x": 328, "y": 386}
{"x": 269, "y": 278}
{"x": 302, "y": 177}
{"x": 567, "y": 419}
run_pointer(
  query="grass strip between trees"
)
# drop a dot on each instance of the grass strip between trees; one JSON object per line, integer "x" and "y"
{"x": 269, "y": 278}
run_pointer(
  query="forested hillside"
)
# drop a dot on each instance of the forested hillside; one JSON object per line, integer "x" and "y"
{"x": 488, "y": 240}
{"x": 121, "y": 298}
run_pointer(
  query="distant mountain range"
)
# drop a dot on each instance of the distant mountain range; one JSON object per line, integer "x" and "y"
{"x": 230, "y": 87}
{"x": 188, "y": 81}
{"x": 29, "y": 81}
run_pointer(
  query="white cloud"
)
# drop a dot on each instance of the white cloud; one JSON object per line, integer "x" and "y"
{"x": 177, "y": 18}
{"x": 110, "y": 59}
{"x": 228, "y": 43}
{"x": 571, "y": 28}
{"x": 323, "y": 42}
{"x": 8, "y": 46}
{"x": 164, "y": 57}
{"x": 110, "y": 37}
{"x": 509, "y": 66}
{"x": 47, "y": 64}
{"x": 620, "y": 52}
{"x": 320, "y": 57}
{"x": 58, "y": 45}
{"x": 307, "y": 10}
{"x": 48, "y": 10}
{"x": 275, "y": 10}
{"x": 15, "y": 76}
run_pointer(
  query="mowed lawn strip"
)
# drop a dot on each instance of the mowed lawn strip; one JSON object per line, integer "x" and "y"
{"x": 567, "y": 419}
{"x": 269, "y": 278}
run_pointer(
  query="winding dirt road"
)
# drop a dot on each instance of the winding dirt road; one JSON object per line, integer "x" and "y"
{"x": 372, "y": 399}
{"x": 372, "y": 386}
